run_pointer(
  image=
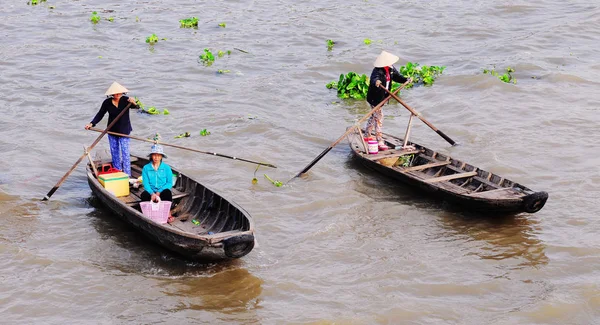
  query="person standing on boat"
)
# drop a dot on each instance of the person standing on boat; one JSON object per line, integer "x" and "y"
{"x": 115, "y": 104}
{"x": 383, "y": 74}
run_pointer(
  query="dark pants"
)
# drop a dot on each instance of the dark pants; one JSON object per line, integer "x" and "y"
{"x": 165, "y": 195}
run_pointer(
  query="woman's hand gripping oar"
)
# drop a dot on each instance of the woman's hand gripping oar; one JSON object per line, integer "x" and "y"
{"x": 312, "y": 163}
{"x": 190, "y": 149}
{"x": 47, "y": 197}
{"x": 415, "y": 113}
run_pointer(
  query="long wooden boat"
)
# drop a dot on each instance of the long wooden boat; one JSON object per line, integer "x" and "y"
{"x": 223, "y": 229}
{"x": 450, "y": 178}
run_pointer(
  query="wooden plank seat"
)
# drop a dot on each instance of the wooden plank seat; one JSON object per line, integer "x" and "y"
{"x": 425, "y": 166}
{"x": 450, "y": 177}
{"x": 391, "y": 153}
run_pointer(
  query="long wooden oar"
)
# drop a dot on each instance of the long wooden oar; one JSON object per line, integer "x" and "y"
{"x": 312, "y": 163}
{"x": 47, "y": 197}
{"x": 442, "y": 134}
{"x": 190, "y": 149}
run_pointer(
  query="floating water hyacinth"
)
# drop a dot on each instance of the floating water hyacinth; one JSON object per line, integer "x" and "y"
{"x": 188, "y": 22}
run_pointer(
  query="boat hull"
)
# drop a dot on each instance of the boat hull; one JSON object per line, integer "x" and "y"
{"x": 201, "y": 202}
{"x": 503, "y": 196}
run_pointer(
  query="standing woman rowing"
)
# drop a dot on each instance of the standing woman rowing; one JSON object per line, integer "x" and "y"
{"x": 115, "y": 104}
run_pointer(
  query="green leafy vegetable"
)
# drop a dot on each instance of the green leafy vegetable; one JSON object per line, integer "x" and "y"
{"x": 404, "y": 161}
{"x": 166, "y": 112}
{"x": 183, "y": 135}
{"x": 189, "y": 22}
{"x": 152, "y": 39}
{"x": 204, "y": 133}
{"x": 276, "y": 183}
{"x": 111, "y": 19}
{"x": 330, "y": 44}
{"x": 367, "y": 41}
{"x": 94, "y": 18}
{"x": 222, "y": 71}
{"x": 222, "y": 25}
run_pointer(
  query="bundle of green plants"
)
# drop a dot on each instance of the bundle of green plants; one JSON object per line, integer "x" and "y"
{"x": 356, "y": 86}
{"x": 95, "y": 18}
{"x": 152, "y": 39}
{"x": 506, "y": 77}
{"x": 204, "y": 133}
{"x": 351, "y": 85}
{"x": 425, "y": 74}
{"x": 189, "y": 22}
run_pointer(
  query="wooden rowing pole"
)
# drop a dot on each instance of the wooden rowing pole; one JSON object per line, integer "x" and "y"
{"x": 185, "y": 148}
{"x": 110, "y": 125}
{"x": 385, "y": 100}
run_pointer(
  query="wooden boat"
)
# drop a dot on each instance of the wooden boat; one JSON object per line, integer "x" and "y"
{"x": 450, "y": 178}
{"x": 225, "y": 230}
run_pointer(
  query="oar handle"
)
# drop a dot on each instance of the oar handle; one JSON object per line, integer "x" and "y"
{"x": 185, "y": 148}
{"x": 110, "y": 125}
{"x": 442, "y": 134}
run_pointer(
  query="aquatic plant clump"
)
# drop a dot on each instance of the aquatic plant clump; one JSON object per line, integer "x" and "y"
{"x": 208, "y": 58}
{"x": 506, "y": 77}
{"x": 425, "y": 74}
{"x": 152, "y": 39}
{"x": 188, "y": 22}
{"x": 330, "y": 44}
{"x": 95, "y": 18}
{"x": 356, "y": 86}
{"x": 351, "y": 85}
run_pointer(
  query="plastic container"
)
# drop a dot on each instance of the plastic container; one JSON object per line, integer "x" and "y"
{"x": 107, "y": 169}
{"x": 373, "y": 146}
{"x": 116, "y": 183}
{"x": 158, "y": 212}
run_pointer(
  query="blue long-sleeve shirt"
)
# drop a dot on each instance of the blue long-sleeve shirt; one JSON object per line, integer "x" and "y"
{"x": 156, "y": 181}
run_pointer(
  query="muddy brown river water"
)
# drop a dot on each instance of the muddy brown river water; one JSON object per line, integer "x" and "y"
{"x": 342, "y": 245}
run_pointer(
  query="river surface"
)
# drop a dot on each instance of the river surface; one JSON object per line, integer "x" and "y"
{"x": 341, "y": 245}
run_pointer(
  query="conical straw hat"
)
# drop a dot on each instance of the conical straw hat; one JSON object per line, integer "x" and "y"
{"x": 385, "y": 59}
{"x": 116, "y": 88}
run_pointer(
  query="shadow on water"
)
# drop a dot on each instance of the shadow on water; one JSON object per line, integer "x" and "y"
{"x": 131, "y": 252}
{"x": 228, "y": 291}
{"x": 508, "y": 236}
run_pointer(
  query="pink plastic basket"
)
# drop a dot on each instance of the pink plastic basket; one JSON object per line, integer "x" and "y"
{"x": 159, "y": 212}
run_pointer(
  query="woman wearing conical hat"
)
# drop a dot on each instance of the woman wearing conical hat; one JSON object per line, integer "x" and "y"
{"x": 115, "y": 104}
{"x": 382, "y": 75}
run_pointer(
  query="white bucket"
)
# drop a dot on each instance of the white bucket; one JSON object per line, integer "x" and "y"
{"x": 373, "y": 147}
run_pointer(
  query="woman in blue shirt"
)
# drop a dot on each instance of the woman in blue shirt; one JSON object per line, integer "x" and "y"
{"x": 157, "y": 177}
